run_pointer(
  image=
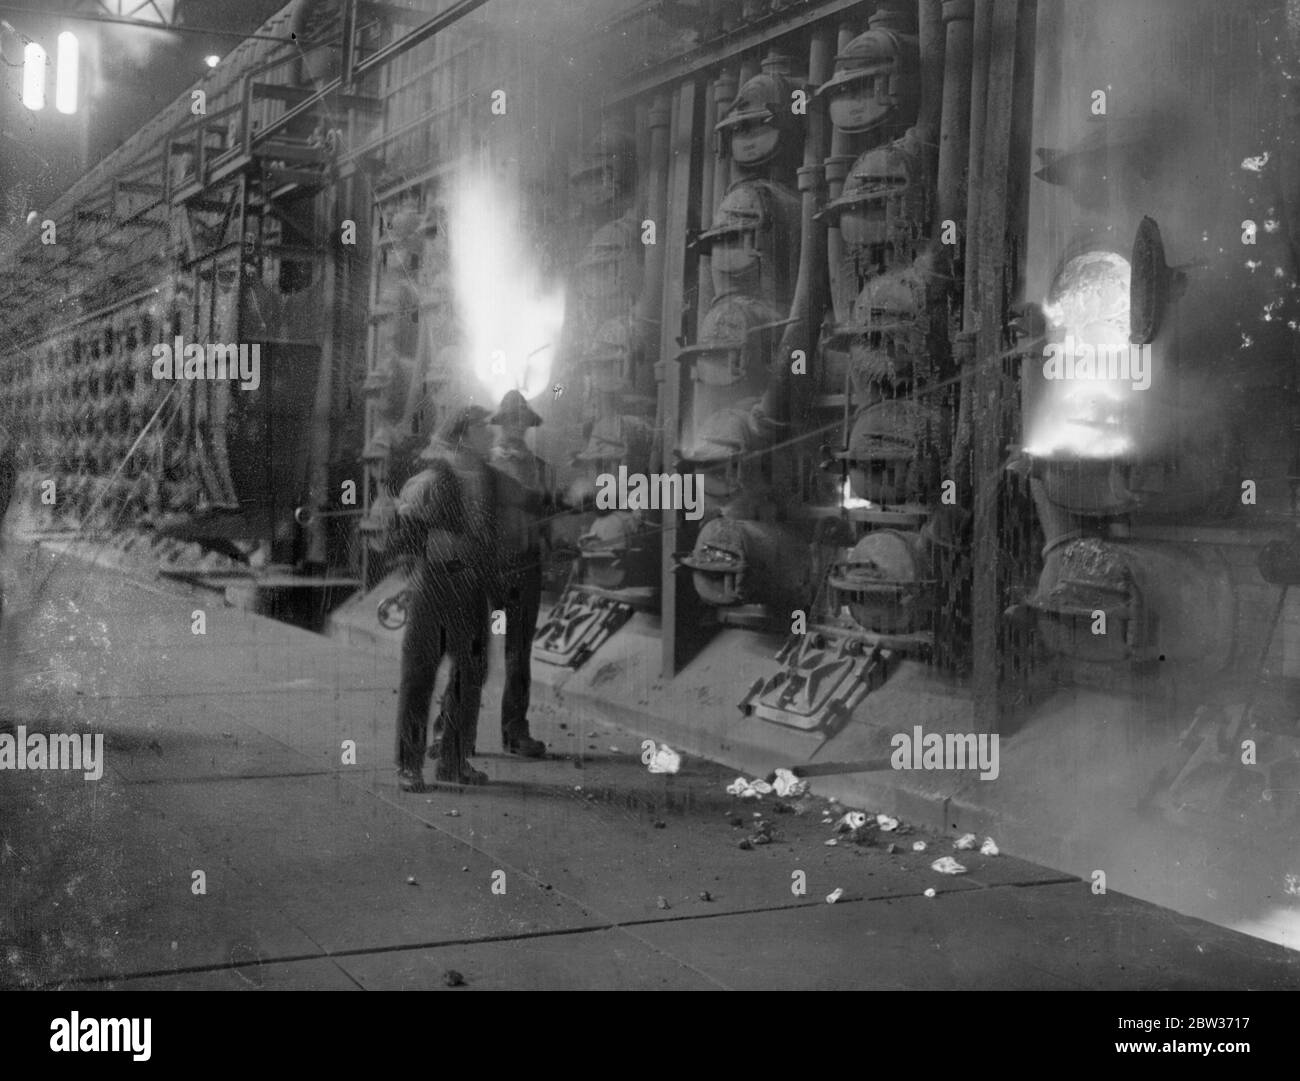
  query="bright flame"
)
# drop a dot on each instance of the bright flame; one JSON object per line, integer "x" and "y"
{"x": 1086, "y": 418}
{"x": 851, "y": 502}
{"x": 34, "y": 77}
{"x": 510, "y": 318}
{"x": 65, "y": 85}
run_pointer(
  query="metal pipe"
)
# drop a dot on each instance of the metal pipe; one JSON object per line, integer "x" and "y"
{"x": 935, "y": 75}
{"x": 322, "y": 406}
{"x": 987, "y": 391}
{"x": 710, "y": 168}
{"x": 652, "y": 292}
{"x": 725, "y": 93}
{"x": 954, "y": 132}
{"x": 837, "y": 169}
{"x": 807, "y": 302}
{"x": 981, "y": 43}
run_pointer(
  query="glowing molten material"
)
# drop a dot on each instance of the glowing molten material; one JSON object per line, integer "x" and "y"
{"x": 1087, "y": 418}
{"x": 510, "y": 320}
{"x": 851, "y": 502}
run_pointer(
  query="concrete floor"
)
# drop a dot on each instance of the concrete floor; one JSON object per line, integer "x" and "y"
{"x": 224, "y": 755}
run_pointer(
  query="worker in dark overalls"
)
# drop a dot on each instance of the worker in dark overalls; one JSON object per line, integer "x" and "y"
{"x": 518, "y": 590}
{"x": 447, "y": 520}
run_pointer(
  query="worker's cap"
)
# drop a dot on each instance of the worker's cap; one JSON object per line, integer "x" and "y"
{"x": 515, "y": 409}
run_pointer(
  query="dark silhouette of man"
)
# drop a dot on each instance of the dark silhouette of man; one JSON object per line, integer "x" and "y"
{"x": 523, "y": 508}
{"x": 447, "y": 521}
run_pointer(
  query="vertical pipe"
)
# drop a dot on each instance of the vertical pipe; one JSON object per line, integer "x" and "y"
{"x": 954, "y": 133}
{"x": 724, "y": 94}
{"x": 959, "y": 468}
{"x": 708, "y": 138}
{"x": 677, "y": 608}
{"x": 981, "y": 45}
{"x": 994, "y": 220}
{"x": 837, "y": 169}
{"x": 644, "y": 168}
{"x": 804, "y": 308}
{"x": 652, "y": 290}
{"x": 319, "y": 438}
{"x": 934, "y": 75}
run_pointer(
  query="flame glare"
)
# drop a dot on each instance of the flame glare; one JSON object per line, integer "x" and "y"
{"x": 1086, "y": 418}
{"x": 851, "y": 502}
{"x": 510, "y": 320}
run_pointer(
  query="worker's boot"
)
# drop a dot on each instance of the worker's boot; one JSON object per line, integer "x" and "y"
{"x": 524, "y": 746}
{"x": 411, "y": 780}
{"x": 460, "y": 773}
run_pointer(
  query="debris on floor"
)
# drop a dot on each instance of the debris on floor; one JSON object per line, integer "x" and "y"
{"x": 452, "y": 978}
{"x": 886, "y": 823}
{"x": 946, "y": 865}
{"x": 852, "y": 821}
{"x": 930, "y": 892}
{"x": 746, "y": 844}
{"x": 918, "y": 846}
{"x": 835, "y": 895}
{"x": 832, "y": 842}
{"x": 965, "y": 842}
{"x": 663, "y": 759}
{"x": 749, "y": 789}
{"x": 787, "y": 784}
{"x": 662, "y": 902}
{"x": 705, "y": 895}
{"x": 989, "y": 847}
{"x": 410, "y": 880}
